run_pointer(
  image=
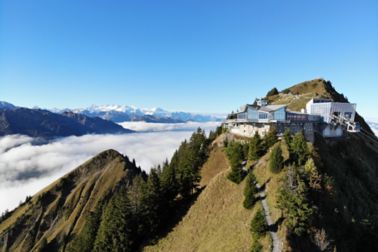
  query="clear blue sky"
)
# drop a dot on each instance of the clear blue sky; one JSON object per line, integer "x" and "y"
{"x": 203, "y": 56}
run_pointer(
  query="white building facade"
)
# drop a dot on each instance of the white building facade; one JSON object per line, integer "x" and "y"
{"x": 327, "y": 109}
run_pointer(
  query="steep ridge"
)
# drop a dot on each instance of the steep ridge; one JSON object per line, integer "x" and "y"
{"x": 43, "y": 123}
{"x": 60, "y": 210}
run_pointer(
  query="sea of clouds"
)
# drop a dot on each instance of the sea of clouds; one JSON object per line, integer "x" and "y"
{"x": 28, "y": 164}
{"x": 154, "y": 127}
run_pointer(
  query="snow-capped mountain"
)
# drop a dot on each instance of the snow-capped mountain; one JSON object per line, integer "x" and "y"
{"x": 125, "y": 113}
{"x": 122, "y": 113}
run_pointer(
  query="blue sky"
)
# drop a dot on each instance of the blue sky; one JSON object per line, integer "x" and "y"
{"x": 202, "y": 56}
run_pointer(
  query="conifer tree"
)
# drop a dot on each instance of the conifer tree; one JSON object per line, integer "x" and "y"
{"x": 235, "y": 156}
{"x": 249, "y": 191}
{"x": 116, "y": 228}
{"x": 276, "y": 159}
{"x": 153, "y": 203}
{"x": 255, "y": 148}
{"x": 287, "y": 137}
{"x": 314, "y": 178}
{"x": 169, "y": 184}
{"x": 270, "y": 139}
{"x": 293, "y": 202}
{"x": 299, "y": 149}
{"x": 258, "y": 224}
{"x": 84, "y": 241}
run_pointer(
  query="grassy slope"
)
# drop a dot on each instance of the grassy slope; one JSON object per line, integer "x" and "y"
{"x": 298, "y": 95}
{"x": 272, "y": 184}
{"x": 216, "y": 163}
{"x": 66, "y": 211}
{"x": 217, "y": 221}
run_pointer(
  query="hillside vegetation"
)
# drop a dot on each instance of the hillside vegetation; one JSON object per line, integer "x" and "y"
{"x": 217, "y": 193}
{"x": 60, "y": 211}
{"x": 107, "y": 204}
{"x": 217, "y": 221}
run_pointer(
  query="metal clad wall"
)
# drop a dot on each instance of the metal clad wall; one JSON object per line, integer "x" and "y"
{"x": 279, "y": 115}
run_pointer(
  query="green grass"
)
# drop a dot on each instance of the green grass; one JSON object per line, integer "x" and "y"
{"x": 217, "y": 221}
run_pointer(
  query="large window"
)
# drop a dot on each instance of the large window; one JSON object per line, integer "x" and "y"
{"x": 263, "y": 115}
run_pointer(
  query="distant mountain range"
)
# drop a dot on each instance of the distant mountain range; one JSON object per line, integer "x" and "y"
{"x": 44, "y": 123}
{"x": 123, "y": 113}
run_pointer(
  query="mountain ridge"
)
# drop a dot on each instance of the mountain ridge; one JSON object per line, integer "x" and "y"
{"x": 43, "y": 123}
{"x": 61, "y": 208}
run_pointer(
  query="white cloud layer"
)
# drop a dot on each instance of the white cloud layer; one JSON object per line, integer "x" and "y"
{"x": 148, "y": 127}
{"x": 27, "y": 165}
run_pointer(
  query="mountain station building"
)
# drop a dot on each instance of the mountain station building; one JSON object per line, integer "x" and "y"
{"x": 330, "y": 119}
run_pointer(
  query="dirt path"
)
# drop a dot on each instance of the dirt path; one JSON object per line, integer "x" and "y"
{"x": 276, "y": 240}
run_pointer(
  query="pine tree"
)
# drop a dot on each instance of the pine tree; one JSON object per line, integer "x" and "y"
{"x": 255, "y": 147}
{"x": 287, "y": 137}
{"x": 117, "y": 230}
{"x": 314, "y": 178}
{"x": 258, "y": 224}
{"x": 169, "y": 184}
{"x": 276, "y": 159}
{"x": 84, "y": 241}
{"x": 249, "y": 191}
{"x": 299, "y": 149}
{"x": 293, "y": 202}
{"x": 245, "y": 151}
{"x": 136, "y": 194}
{"x": 271, "y": 138}
{"x": 153, "y": 203}
{"x": 235, "y": 156}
